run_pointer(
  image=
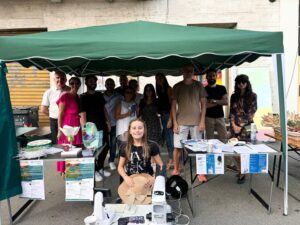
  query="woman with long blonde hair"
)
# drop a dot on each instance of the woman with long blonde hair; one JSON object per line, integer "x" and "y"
{"x": 136, "y": 156}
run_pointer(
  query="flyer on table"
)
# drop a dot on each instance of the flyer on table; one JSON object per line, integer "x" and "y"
{"x": 32, "y": 179}
{"x": 254, "y": 163}
{"x": 80, "y": 179}
{"x": 210, "y": 163}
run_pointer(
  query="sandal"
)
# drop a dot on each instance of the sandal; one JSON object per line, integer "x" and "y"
{"x": 241, "y": 179}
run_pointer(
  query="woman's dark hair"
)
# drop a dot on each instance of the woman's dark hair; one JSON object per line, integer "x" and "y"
{"x": 75, "y": 79}
{"x": 153, "y": 95}
{"x": 242, "y": 78}
{"x": 144, "y": 100}
{"x": 165, "y": 87}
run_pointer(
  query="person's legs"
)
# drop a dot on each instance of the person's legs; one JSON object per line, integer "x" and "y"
{"x": 168, "y": 133}
{"x": 221, "y": 129}
{"x": 183, "y": 133}
{"x": 102, "y": 156}
{"x": 112, "y": 144}
{"x": 209, "y": 127}
{"x": 196, "y": 134}
{"x": 54, "y": 130}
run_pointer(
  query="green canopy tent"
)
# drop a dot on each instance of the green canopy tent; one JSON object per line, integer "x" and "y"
{"x": 142, "y": 48}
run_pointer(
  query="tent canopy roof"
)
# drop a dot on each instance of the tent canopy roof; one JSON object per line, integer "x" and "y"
{"x": 138, "y": 48}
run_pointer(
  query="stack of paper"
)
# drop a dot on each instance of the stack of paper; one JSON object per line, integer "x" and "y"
{"x": 73, "y": 152}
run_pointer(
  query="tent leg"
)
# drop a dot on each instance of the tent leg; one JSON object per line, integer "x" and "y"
{"x": 283, "y": 125}
{"x": 9, "y": 211}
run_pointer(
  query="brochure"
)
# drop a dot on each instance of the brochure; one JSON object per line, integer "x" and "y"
{"x": 32, "y": 179}
{"x": 80, "y": 179}
{"x": 210, "y": 163}
{"x": 254, "y": 163}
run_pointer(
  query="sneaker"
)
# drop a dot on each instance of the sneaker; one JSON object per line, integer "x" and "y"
{"x": 104, "y": 173}
{"x": 175, "y": 172}
{"x": 202, "y": 178}
{"x": 98, "y": 177}
{"x": 112, "y": 166}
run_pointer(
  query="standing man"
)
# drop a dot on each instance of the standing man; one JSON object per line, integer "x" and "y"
{"x": 112, "y": 98}
{"x": 216, "y": 99}
{"x": 92, "y": 109}
{"x": 49, "y": 106}
{"x": 123, "y": 84}
{"x": 134, "y": 84}
{"x": 189, "y": 97}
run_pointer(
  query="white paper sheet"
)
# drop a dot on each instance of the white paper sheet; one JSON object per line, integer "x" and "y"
{"x": 244, "y": 149}
{"x": 262, "y": 148}
{"x": 53, "y": 150}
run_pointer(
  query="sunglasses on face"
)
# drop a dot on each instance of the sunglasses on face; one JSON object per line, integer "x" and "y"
{"x": 242, "y": 82}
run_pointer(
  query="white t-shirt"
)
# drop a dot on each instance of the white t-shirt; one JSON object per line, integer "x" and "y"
{"x": 49, "y": 99}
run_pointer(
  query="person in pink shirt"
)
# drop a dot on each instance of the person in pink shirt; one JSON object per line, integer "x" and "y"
{"x": 68, "y": 105}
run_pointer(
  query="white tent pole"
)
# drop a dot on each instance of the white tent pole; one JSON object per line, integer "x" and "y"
{"x": 283, "y": 124}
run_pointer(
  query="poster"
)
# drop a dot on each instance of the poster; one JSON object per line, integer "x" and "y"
{"x": 210, "y": 163}
{"x": 254, "y": 163}
{"x": 32, "y": 179}
{"x": 80, "y": 179}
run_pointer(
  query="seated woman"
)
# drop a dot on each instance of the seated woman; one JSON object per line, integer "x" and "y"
{"x": 137, "y": 154}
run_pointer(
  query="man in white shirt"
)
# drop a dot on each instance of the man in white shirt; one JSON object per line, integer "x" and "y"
{"x": 49, "y": 106}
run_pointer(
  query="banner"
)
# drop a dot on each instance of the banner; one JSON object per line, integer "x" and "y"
{"x": 80, "y": 179}
{"x": 10, "y": 179}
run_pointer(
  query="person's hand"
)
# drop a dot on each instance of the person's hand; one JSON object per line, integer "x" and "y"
{"x": 176, "y": 128}
{"x": 128, "y": 113}
{"x": 129, "y": 181}
{"x": 150, "y": 182}
{"x": 58, "y": 135}
{"x": 108, "y": 127}
{"x": 201, "y": 126}
{"x": 169, "y": 123}
{"x": 237, "y": 129}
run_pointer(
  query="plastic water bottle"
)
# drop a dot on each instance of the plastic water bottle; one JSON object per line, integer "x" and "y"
{"x": 253, "y": 132}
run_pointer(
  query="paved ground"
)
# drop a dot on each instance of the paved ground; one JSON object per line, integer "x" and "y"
{"x": 220, "y": 201}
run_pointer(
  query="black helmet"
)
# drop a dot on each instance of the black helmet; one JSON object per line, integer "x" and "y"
{"x": 176, "y": 186}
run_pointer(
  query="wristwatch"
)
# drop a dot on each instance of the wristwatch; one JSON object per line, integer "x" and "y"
{"x": 214, "y": 101}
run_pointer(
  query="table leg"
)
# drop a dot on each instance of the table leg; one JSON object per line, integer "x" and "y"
{"x": 278, "y": 172}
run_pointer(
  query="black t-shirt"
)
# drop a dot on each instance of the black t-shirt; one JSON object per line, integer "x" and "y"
{"x": 93, "y": 105}
{"x": 137, "y": 162}
{"x": 216, "y": 93}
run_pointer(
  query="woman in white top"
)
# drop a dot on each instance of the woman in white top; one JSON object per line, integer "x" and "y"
{"x": 126, "y": 111}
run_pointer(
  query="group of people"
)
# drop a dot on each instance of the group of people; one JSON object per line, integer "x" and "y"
{"x": 139, "y": 121}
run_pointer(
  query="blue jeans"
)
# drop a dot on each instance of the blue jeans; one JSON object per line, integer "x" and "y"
{"x": 168, "y": 134}
{"x": 112, "y": 144}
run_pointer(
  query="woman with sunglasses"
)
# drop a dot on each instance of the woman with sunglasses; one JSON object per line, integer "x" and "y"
{"x": 126, "y": 111}
{"x": 68, "y": 105}
{"x": 243, "y": 105}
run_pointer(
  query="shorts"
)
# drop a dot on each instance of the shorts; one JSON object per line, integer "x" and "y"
{"x": 183, "y": 134}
